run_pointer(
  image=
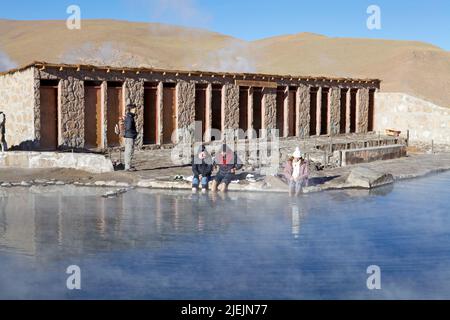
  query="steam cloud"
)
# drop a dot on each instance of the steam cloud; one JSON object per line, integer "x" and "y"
{"x": 235, "y": 56}
{"x": 6, "y": 63}
{"x": 104, "y": 54}
{"x": 186, "y": 12}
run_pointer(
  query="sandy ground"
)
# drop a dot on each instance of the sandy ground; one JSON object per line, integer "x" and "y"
{"x": 412, "y": 67}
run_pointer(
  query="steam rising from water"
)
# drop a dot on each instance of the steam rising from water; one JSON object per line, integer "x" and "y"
{"x": 183, "y": 12}
{"x": 235, "y": 56}
{"x": 105, "y": 54}
{"x": 6, "y": 63}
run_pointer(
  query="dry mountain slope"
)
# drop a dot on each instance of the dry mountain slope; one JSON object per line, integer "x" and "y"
{"x": 412, "y": 67}
{"x": 106, "y": 42}
{"x": 404, "y": 66}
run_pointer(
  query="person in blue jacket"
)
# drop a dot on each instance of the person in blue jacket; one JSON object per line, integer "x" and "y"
{"x": 202, "y": 167}
{"x": 130, "y": 136}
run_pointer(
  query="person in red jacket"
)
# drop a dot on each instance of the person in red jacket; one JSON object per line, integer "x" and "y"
{"x": 228, "y": 163}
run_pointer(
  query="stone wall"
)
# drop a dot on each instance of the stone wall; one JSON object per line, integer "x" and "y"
{"x": 303, "y": 105}
{"x": 47, "y": 160}
{"x": 230, "y": 106}
{"x": 362, "y": 112}
{"x": 269, "y": 108}
{"x": 17, "y": 102}
{"x": 134, "y": 94}
{"x": 366, "y": 155}
{"x": 185, "y": 104}
{"x": 335, "y": 111}
{"x": 424, "y": 120}
{"x": 71, "y": 117}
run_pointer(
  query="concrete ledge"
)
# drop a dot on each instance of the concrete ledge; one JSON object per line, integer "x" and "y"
{"x": 269, "y": 185}
{"x": 45, "y": 160}
{"x": 365, "y": 155}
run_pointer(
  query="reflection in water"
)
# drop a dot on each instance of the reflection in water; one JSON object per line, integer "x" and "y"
{"x": 55, "y": 223}
{"x": 151, "y": 244}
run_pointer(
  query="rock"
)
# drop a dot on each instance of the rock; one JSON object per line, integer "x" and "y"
{"x": 42, "y": 160}
{"x": 273, "y": 182}
{"x": 60, "y": 183}
{"x": 148, "y": 183}
{"x": 100, "y": 183}
{"x": 40, "y": 181}
{"x": 312, "y": 189}
{"x": 122, "y": 184}
{"x": 366, "y": 178}
{"x": 25, "y": 184}
{"x": 6, "y": 185}
{"x": 113, "y": 194}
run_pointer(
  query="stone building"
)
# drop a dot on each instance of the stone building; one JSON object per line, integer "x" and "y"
{"x": 58, "y": 106}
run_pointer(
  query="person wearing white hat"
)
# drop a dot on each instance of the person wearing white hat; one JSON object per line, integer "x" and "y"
{"x": 300, "y": 173}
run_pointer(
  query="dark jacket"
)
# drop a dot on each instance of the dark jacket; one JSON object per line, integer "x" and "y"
{"x": 130, "y": 126}
{"x": 228, "y": 163}
{"x": 204, "y": 167}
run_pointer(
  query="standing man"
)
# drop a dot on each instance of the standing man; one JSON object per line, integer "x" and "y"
{"x": 130, "y": 136}
{"x": 3, "y": 146}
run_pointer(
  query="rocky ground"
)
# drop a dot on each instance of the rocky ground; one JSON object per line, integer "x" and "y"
{"x": 155, "y": 170}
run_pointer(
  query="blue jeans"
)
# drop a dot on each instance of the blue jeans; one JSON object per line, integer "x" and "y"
{"x": 196, "y": 182}
{"x": 225, "y": 178}
{"x": 297, "y": 185}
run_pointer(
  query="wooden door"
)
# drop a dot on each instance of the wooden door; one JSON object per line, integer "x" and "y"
{"x": 49, "y": 118}
{"x": 216, "y": 107}
{"x": 114, "y": 115}
{"x": 93, "y": 117}
{"x": 371, "y": 119}
{"x": 257, "y": 110}
{"x": 343, "y": 108}
{"x": 200, "y": 108}
{"x": 150, "y": 115}
{"x": 169, "y": 114}
{"x": 313, "y": 112}
{"x": 280, "y": 111}
{"x": 292, "y": 112}
{"x": 353, "y": 97}
{"x": 243, "y": 108}
{"x": 324, "y": 112}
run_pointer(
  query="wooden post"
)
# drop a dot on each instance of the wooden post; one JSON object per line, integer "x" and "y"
{"x": 331, "y": 145}
{"x": 407, "y": 138}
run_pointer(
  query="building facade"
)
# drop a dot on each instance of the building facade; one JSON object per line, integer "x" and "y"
{"x": 56, "y": 106}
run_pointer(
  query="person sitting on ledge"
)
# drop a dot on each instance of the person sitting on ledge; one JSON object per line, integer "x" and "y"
{"x": 287, "y": 173}
{"x": 202, "y": 167}
{"x": 299, "y": 173}
{"x": 228, "y": 163}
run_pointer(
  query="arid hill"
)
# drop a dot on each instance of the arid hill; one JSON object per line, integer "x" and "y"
{"x": 415, "y": 68}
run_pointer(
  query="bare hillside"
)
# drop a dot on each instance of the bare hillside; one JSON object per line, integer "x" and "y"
{"x": 416, "y": 68}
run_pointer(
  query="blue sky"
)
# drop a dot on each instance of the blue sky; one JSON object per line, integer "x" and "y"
{"x": 427, "y": 21}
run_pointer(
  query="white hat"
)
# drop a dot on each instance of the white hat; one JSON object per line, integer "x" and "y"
{"x": 297, "y": 153}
